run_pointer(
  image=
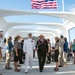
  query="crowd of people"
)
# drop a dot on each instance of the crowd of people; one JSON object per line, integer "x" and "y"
{"x": 60, "y": 52}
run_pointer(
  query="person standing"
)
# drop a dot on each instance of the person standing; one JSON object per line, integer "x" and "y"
{"x": 56, "y": 53}
{"x": 0, "y": 57}
{"x": 1, "y": 43}
{"x": 17, "y": 47}
{"x": 61, "y": 50}
{"x": 49, "y": 52}
{"x": 73, "y": 48}
{"x": 28, "y": 48}
{"x": 21, "y": 57}
{"x": 34, "y": 50}
{"x": 65, "y": 51}
{"x": 10, "y": 47}
{"x": 42, "y": 49}
{"x": 6, "y": 49}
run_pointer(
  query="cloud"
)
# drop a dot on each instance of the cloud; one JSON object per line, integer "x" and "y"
{"x": 71, "y": 8}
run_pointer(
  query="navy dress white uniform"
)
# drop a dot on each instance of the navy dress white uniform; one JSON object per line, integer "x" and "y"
{"x": 29, "y": 46}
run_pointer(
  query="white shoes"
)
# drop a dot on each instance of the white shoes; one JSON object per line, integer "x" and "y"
{"x": 26, "y": 71}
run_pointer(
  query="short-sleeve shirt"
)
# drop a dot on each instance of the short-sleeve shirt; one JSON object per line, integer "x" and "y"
{"x": 10, "y": 44}
{"x": 73, "y": 46}
{"x": 17, "y": 45}
{"x": 57, "y": 45}
{"x": 49, "y": 45}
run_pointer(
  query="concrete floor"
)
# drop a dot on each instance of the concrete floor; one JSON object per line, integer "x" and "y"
{"x": 67, "y": 70}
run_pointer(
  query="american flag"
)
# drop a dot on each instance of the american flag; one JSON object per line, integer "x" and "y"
{"x": 44, "y": 4}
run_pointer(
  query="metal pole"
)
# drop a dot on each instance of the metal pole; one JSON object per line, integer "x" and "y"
{"x": 63, "y": 5}
{"x": 69, "y": 36}
{"x": 63, "y": 8}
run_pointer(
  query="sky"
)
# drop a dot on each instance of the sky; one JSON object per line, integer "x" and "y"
{"x": 26, "y": 5}
{"x": 69, "y": 5}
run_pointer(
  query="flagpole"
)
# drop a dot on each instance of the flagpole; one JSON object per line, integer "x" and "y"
{"x": 63, "y": 5}
{"x": 63, "y": 8}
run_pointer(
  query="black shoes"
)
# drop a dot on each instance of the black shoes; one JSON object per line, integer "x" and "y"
{"x": 8, "y": 68}
{"x": 42, "y": 67}
{"x": 41, "y": 70}
{"x": 47, "y": 62}
{"x": 60, "y": 66}
{"x": 19, "y": 65}
{"x": 21, "y": 62}
{"x": 26, "y": 72}
{"x": 56, "y": 69}
{"x": 18, "y": 70}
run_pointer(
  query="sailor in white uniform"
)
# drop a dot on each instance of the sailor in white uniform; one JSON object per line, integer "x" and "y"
{"x": 28, "y": 47}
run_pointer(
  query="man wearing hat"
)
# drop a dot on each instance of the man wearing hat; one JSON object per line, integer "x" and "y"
{"x": 61, "y": 50}
{"x": 28, "y": 47}
{"x": 42, "y": 49}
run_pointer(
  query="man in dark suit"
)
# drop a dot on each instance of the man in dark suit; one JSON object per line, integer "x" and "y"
{"x": 42, "y": 49}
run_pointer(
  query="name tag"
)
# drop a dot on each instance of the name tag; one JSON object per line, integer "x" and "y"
{"x": 31, "y": 41}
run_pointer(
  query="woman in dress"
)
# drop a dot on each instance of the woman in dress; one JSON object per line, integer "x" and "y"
{"x": 56, "y": 53}
{"x": 17, "y": 46}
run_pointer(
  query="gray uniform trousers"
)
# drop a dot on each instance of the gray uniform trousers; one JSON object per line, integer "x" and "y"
{"x": 61, "y": 56}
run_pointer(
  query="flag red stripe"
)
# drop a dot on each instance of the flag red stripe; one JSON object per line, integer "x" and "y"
{"x": 43, "y": 4}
